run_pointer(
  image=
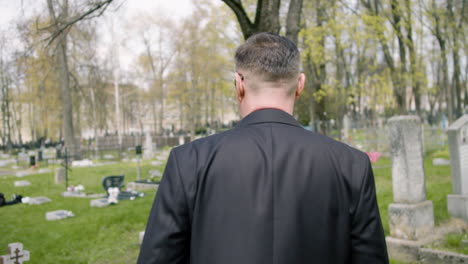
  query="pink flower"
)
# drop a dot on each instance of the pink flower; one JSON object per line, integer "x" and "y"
{"x": 374, "y": 156}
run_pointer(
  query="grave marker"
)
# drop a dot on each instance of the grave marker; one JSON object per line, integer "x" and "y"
{"x": 411, "y": 215}
{"x": 458, "y": 144}
{"x": 99, "y": 202}
{"x": 58, "y": 215}
{"x": 39, "y": 200}
{"x": 16, "y": 254}
{"x": 22, "y": 183}
{"x": 60, "y": 175}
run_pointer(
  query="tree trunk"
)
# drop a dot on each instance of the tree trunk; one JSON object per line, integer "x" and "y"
{"x": 267, "y": 17}
{"x": 64, "y": 77}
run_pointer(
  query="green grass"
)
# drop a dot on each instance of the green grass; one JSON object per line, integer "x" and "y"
{"x": 110, "y": 235}
{"x": 94, "y": 235}
{"x": 452, "y": 242}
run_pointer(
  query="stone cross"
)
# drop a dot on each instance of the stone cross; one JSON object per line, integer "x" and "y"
{"x": 16, "y": 254}
{"x": 411, "y": 215}
{"x": 458, "y": 144}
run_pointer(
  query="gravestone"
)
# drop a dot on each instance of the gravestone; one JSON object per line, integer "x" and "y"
{"x": 58, "y": 215}
{"x": 141, "y": 235}
{"x": 39, "y": 200}
{"x": 99, "y": 202}
{"x": 60, "y": 175}
{"x": 156, "y": 163}
{"x": 22, "y": 183}
{"x": 44, "y": 170}
{"x": 82, "y": 163}
{"x": 346, "y": 126}
{"x": 16, "y": 254}
{"x": 149, "y": 148}
{"x": 458, "y": 144}
{"x": 440, "y": 162}
{"x": 155, "y": 173}
{"x": 108, "y": 156}
{"x": 411, "y": 215}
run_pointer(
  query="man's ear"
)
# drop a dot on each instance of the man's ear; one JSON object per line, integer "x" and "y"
{"x": 300, "y": 85}
{"x": 240, "y": 87}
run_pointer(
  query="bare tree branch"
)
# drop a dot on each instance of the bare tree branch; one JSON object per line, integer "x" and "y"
{"x": 98, "y": 7}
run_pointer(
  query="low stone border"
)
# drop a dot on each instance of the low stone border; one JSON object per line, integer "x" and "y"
{"x": 432, "y": 256}
{"x": 410, "y": 251}
{"x": 137, "y": 186}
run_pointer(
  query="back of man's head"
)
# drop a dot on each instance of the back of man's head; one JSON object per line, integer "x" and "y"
{"x": 270, "y": 57}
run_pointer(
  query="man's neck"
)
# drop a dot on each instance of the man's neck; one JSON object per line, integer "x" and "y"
{"x": 253, "y": 105}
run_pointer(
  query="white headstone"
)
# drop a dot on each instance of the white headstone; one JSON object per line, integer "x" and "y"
{"x": 108, "y": 156}
{"x": 155, "y": 173}
{"x": 411, "y": 216}
{"x": 148, "y": 151}
{"x": 44, "y": 170}
{"x": 407, "y": 159}
{"x": 23, "y": 173}
{"x": 156, "y": 163}
{"x": 22, "y": 183}
{"x": 458, "y": 145}
{"x": 16, "y": 254}
{"x": 440, "y": 162}
{"x": 59, "y": 175}
{"x": 82, "y": 163}
{"x": 39, "y": 200}
{"x": 58, "y": 215}
{"x": 346, "y": 127}
{"x": 99, "y": 202}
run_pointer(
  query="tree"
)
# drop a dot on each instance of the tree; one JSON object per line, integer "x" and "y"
{"x": 61, "y": 22}
{"x": 267, "y": 17}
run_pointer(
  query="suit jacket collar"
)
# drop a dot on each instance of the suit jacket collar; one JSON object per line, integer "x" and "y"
{"x": 269, "y": 115}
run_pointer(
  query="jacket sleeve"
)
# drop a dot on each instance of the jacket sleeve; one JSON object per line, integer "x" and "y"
{"x": 367, "y": 235}
{"x": 167, "y": 235}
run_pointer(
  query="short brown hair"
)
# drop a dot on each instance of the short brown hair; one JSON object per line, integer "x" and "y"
{"x": 269, "y": 55}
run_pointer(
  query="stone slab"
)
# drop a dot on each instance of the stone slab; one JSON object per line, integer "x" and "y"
{"x": 23, "y": 173}
{"x": 155, "y": 173}
{"x": 440, "y": 162}
{"x": 458, "y": 206}
{"x": 58, "y": 215}
{"x": 82, "y": 163}
{"x": 44, "y": 170}
{"x": 142, "y": 186}
{"x": 74, "y": 194}
{"x": 99, "y": 202}
{"x": 22, "y": 183}
{"x": 39, "y": 200}
{"x": 156, "y": 163}
{"x": 411, "y": 221}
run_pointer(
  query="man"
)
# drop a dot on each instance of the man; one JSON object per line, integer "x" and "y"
{"x": 267, "y": 191}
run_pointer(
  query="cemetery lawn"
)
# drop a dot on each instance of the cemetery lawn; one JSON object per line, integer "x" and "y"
{"x": 110, "y": 234}
{"x": 94, "y": 235}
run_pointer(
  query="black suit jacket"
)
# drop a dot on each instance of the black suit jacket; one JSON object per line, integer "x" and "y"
{"x": 267, "y": 191}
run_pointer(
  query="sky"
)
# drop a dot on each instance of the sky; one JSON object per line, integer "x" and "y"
{"x": 119, "y": 13}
